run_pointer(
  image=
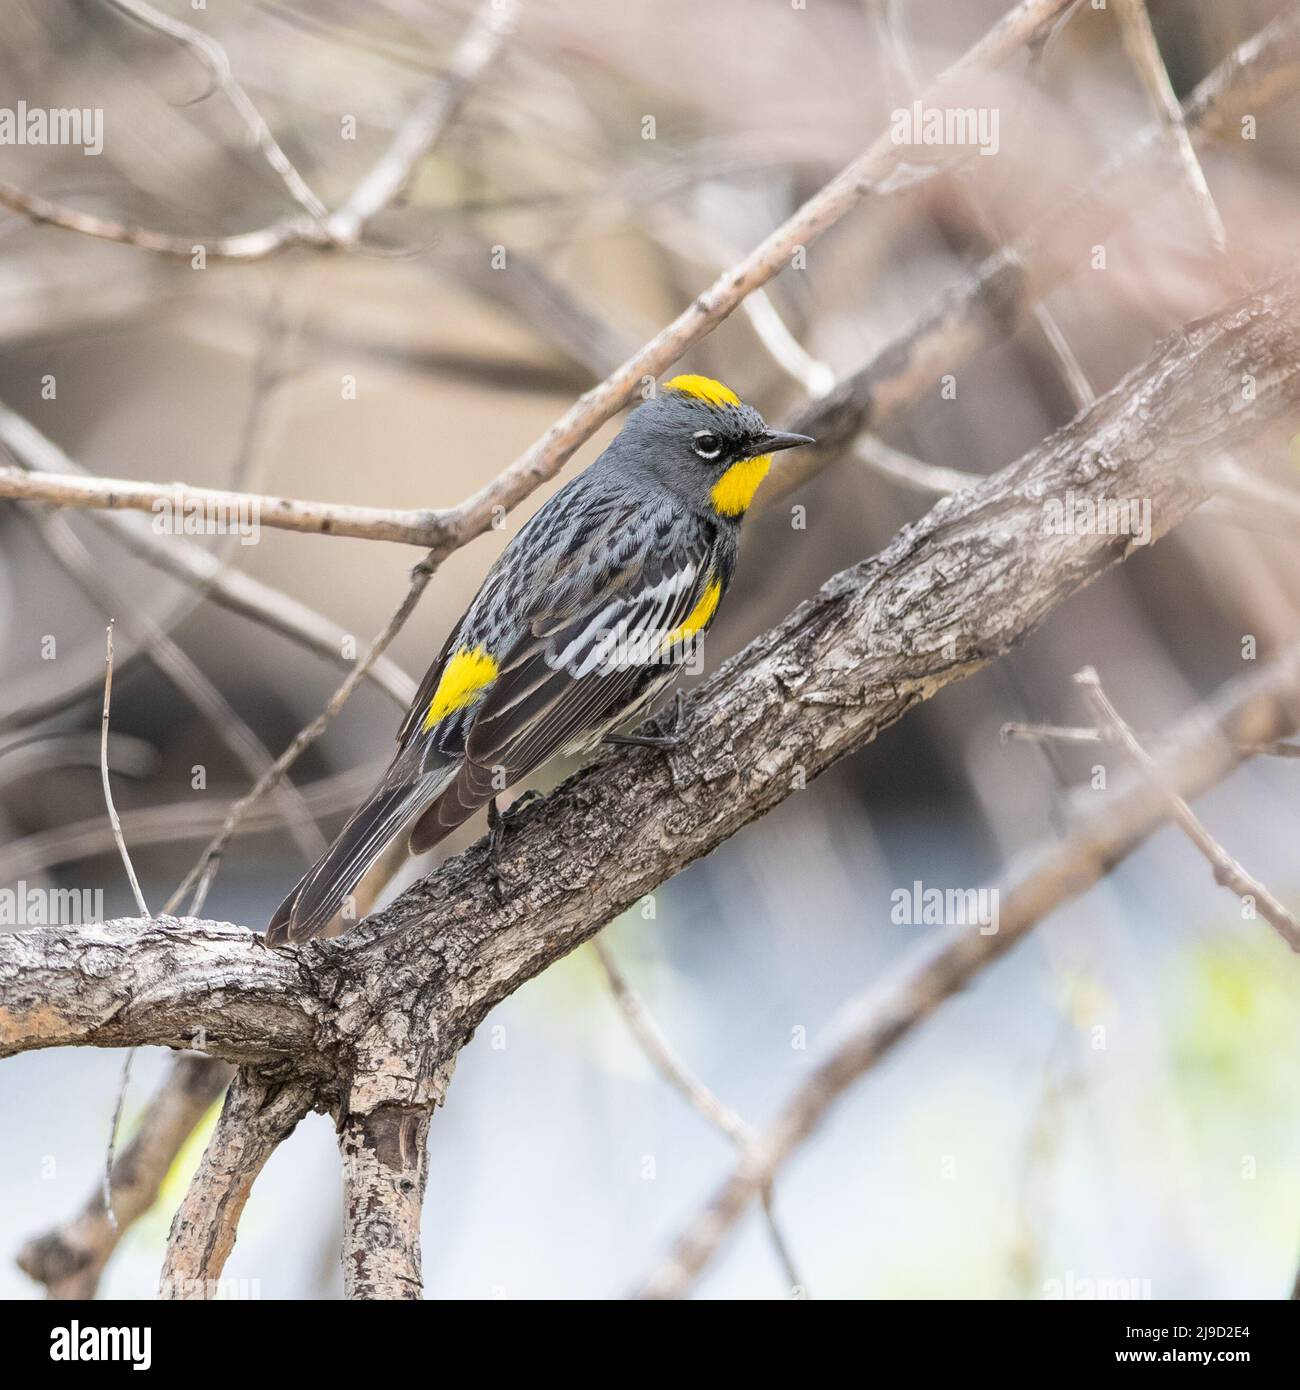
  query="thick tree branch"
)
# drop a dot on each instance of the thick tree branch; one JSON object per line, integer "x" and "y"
{"x": 953, "y": 591}
{"x": 205, "y": 986}
{"x": 385, "y": 1164}
{"x": 259, "y": 1114}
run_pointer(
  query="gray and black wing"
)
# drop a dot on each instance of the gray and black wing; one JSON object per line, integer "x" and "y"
{"x": 608, "y": 631}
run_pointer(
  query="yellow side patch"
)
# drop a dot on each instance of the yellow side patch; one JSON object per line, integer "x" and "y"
{"x": 699, "y": 616}
{"x": 703, "y": 388}
{"x": 463, "y": 679}
{"x": 734, "y": 491}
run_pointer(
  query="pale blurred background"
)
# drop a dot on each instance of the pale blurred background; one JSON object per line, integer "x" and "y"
{"x": 1008, "y": 1144}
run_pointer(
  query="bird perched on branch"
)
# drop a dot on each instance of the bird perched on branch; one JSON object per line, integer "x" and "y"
{"x": 589, "y": 613}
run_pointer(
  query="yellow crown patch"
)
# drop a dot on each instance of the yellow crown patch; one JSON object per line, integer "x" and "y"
{"x": 703, "y": 388}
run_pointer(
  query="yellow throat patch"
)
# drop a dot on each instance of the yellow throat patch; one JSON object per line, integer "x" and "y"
{"x": 734, "y": 491}
{"x": 464, "y": 677}
{"x": 703, "y": 388}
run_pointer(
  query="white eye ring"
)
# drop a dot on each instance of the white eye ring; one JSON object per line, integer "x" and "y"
{"x": 707, "y": 444}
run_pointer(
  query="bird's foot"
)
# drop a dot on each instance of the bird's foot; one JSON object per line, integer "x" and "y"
{"x": 497, "y": 837}
{"x": 668, "y": 742}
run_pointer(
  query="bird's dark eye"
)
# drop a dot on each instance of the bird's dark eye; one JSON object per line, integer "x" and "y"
{"x": 707, "y": 444}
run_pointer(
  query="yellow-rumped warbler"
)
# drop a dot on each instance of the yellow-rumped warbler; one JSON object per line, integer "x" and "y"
{"x": 584, "y": 619}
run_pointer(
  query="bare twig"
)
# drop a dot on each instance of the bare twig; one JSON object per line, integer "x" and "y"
{"x": 319, "y": 228}
{"x": 986, "y": 307}
{"x": 421, "y": 130}
{"x": 118, "y": 837}
{"x": 190, "y": 563}
{"x": 413, "y": 527}
{"x": 209, "y": 861}
{"x": 1227, "y": 871}
{"x": 215, "y": 58}
{"x": 1056, "y": 733}
{"x": 120, "y": 840}
{"x": 1256, "y": 493}
{"x": 1068, "y": 365}
{"x": 914, "y": 473}
{"x": 771, "y": 330}
{"x": 242, "y": 246}
{"x": 1144, "y": 52}
{"x": 123, "y": 1082}
{"x": 662, "y": 1056}
{"x": 172, "y": 822}
{"x": 781, "y": 345}
{"x": 262, "y": 603}
{"x": 188, "y": 678}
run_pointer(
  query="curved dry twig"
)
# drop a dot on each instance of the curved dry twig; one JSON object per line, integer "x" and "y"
{"x": 315, "y": 227}
{"x": 663, "y": 1057}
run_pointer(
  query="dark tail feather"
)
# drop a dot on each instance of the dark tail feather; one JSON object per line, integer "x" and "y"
{"x": 471, "y": 788}
{"x": 321, "y": 891}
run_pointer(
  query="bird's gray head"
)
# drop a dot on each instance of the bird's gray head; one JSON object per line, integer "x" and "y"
{"x": 698, "y": 439}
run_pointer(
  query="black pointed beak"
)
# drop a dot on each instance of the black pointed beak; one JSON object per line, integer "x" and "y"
{"x": 773, "y": 441}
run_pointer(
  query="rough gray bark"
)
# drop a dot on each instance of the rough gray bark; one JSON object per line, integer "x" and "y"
{"x": 207, "y": 986}
{"x": 376, "y": 1019}
{"x": 385, "y": 1164}
{"x": 260, "y": 1113}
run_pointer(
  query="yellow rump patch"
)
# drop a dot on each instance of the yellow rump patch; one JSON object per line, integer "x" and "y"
{"x": 699, "y": 616}
{"x": 734, "y": 491}
{"x": 703, "y": 388}
{"x": 463, "y": 679}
